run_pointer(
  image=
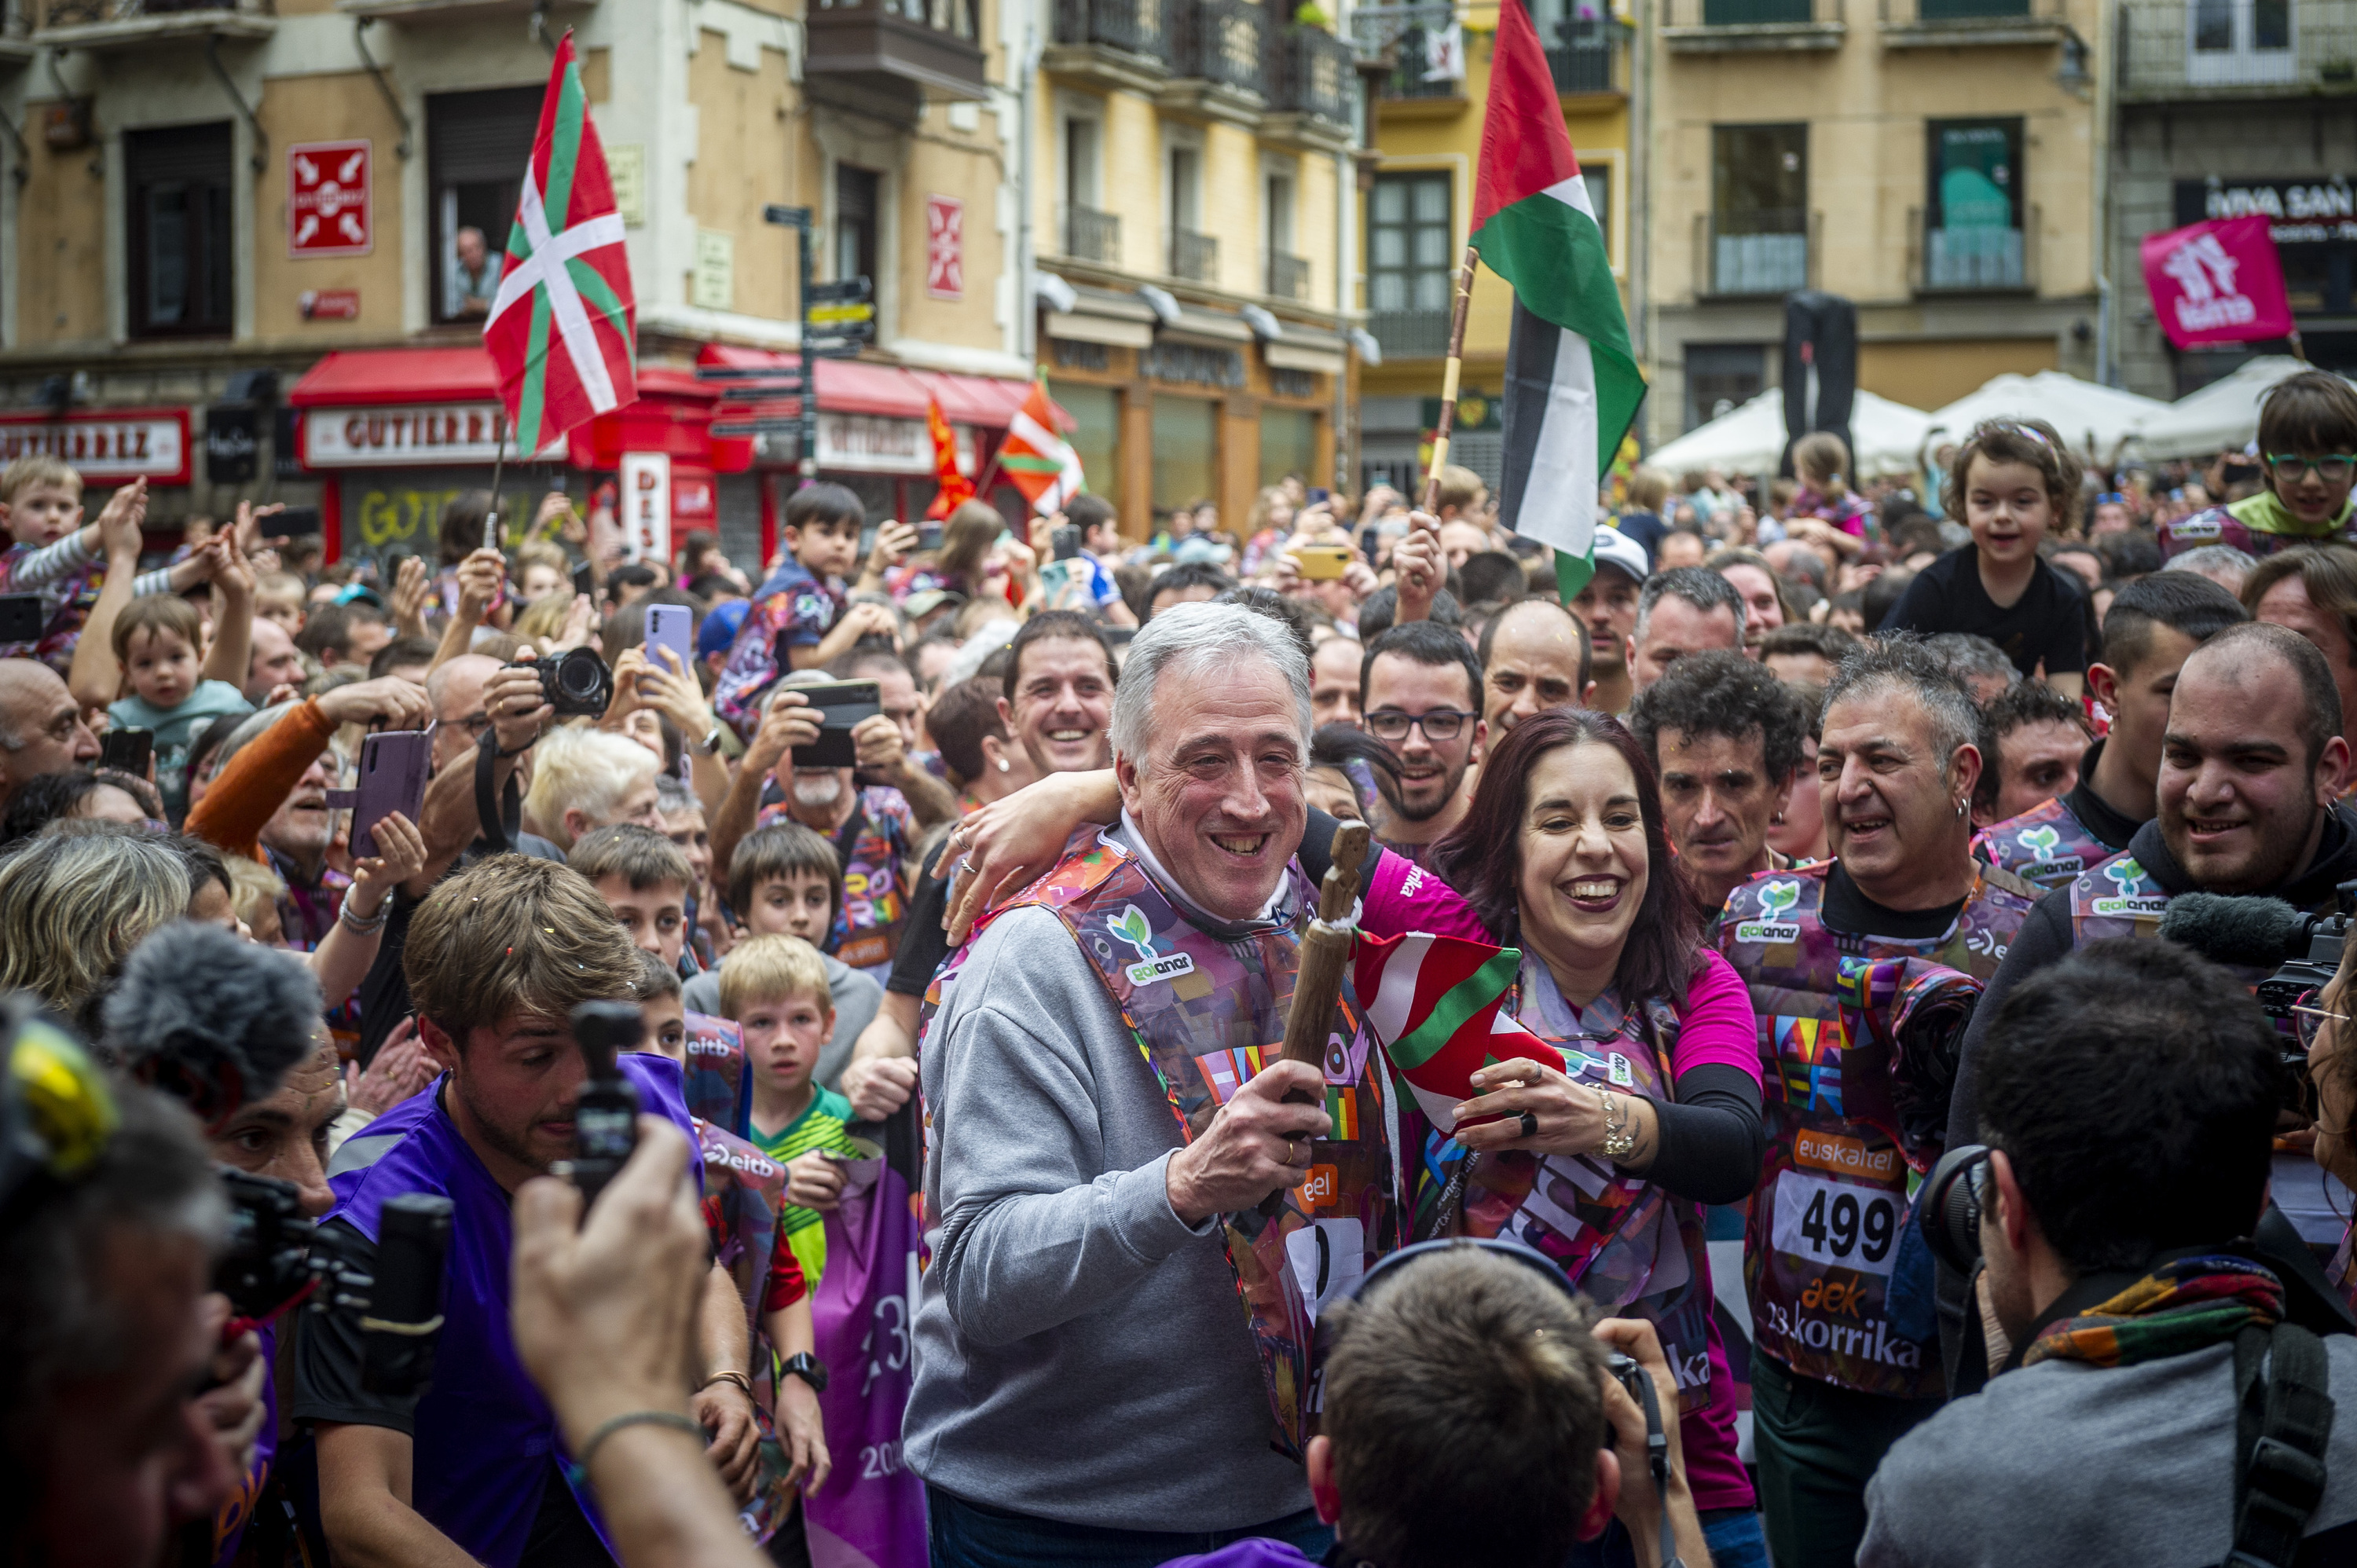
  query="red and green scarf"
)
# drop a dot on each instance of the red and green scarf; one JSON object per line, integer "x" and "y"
{"x": 2181, "y": 1306}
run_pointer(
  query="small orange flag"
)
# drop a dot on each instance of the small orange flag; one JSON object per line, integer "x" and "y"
{"x": 955, "y": 489}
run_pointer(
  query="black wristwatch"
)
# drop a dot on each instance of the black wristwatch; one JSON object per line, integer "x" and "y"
{"x": 806, "y": 1367}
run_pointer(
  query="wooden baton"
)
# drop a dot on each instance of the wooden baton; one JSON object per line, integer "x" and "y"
{"x": 1325, "y": 952}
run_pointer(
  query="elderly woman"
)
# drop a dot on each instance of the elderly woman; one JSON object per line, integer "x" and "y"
{"x": 1607, "y": 1169}
{"x": 75, "y": 900}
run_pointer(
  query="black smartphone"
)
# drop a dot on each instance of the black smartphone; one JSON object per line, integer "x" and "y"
{"x": 929, "y": 536}
{"x": 585, "y": 581}
{"x": 841, "y": 704}
{"x": 297, "y": 519}
{"x": 21, "y": 617}
{"x": 1067, "y": 541}
{"x": 127, "y": 750}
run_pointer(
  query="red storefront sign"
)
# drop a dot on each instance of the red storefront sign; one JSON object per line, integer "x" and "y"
{"x": 112, "y": 445}
{"x": 327, "y": 200}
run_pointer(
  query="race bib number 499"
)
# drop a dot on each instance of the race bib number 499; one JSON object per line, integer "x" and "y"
{"x": 1835, "y": 1224}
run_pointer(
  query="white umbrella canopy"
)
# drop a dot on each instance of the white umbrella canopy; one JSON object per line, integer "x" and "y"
{"x": 2221, "y": 416}
{"x": 2091, "y": 417}
{"x": 1751, "y": 439}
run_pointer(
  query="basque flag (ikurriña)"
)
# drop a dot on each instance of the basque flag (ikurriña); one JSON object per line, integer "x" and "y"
{"x": 1435, "y": 1002}
{"x": 1571, "y": 385}
{"x": 563, "y": 333}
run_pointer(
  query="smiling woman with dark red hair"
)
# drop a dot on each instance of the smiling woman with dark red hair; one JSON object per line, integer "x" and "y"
{"x": 1562, "y": 853}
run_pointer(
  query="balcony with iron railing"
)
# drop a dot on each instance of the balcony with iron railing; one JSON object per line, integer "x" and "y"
{"x": 1758, "y": 253}
{"x": 901, "y": 49}
{"x": 1218, "y": 55}
{"x": 1091, "y": 236}
{"x": 1738, "y": 26}
{"x": 1312, "y": 86}
{"x": 1977, "y": 258}
{"x": 1194, "y": 257}
{"x": 1110, "y": 44}
{"x": 101, "y": 24}
{"x": 1288, "y": 275}
{"x": 1410, "y": 334}
{"x": 1963, "y": 23}
{"x": 1402, "y": 36}
{"x": 2169, "y": 49}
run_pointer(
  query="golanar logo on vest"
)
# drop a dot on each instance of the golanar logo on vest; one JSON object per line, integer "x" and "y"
{"x": 2126, "y": 875}
{"x": 1775, "y": 898}
{"x": 1132, "y": 927}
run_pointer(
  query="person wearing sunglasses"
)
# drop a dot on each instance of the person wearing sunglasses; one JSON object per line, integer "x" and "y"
{"x": 1420, "y": 690}
{"x": 2307, "y": 464}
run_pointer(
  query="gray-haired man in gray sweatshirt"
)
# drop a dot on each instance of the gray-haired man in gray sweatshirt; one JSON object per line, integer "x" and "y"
{"x": 1087, "y": 1386}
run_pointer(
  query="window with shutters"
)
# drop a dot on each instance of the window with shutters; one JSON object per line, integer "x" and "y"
{"x": 477, "y": 147}
{"x": 178, "y": 232}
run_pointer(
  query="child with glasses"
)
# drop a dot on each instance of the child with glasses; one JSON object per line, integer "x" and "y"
{"x": 2308, "y": 457}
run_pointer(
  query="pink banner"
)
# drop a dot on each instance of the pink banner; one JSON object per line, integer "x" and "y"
{"x": 2219, "y": 282}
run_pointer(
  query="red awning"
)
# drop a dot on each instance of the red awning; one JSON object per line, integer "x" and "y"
{"x": 460, "y": 374}
{"x": 856, "y": 386}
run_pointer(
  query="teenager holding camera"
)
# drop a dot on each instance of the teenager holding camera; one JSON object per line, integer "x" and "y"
{"x": 497, "y": 958}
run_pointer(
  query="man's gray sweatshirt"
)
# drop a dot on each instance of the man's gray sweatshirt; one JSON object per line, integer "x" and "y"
{"x": 1082, "y": 1354}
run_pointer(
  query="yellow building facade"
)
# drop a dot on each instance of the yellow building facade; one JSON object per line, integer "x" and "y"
{"x": 1428, "y": 70}
{"x": 1192, "y": 213}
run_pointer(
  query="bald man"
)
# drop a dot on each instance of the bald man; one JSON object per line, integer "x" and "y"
{"x": 1533, "y": 656}
{"x": 41, "y": 729}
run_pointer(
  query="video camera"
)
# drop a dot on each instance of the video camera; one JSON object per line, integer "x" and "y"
{"x": 276, "y": 1260}
{"x": 2305, "y": 949}
{"x": 576, "y": 682}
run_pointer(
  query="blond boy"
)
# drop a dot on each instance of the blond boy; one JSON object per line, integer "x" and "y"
{"x": 775, "y": 990}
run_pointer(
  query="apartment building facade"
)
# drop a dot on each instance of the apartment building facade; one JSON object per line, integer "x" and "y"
{"x": 2231, "y": 107}
{"x": 1192, "y": 212}
{"x": 239, "y": 241}
{"x": 1939, "y": 162}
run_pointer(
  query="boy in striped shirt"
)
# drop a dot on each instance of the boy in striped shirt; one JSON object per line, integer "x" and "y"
{"x": 775, "y": 988}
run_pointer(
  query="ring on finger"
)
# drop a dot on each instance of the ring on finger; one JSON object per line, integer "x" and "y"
{"x": 1530, "y": 1123}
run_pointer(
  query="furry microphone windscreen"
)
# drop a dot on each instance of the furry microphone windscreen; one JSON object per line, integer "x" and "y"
{"x": 212, "y": 1018}
{"x": 2233, "y": 930}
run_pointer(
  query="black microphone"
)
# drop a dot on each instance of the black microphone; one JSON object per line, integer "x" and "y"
{"x": 2237, "y": 930}
{"x": 215, "y": 1022}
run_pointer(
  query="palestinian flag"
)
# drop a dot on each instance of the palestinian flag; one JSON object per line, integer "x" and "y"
{"x": 563, "y": 331}
{"x": 1433, "y": 1001}
{"x": 1040, "y": 463}
{"x": 1571, "y": 385}
{"x": 954, "y": 489}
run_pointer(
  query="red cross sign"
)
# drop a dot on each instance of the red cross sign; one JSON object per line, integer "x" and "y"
{"x": 945, "y": 247}
{"x": 327, "y": 200}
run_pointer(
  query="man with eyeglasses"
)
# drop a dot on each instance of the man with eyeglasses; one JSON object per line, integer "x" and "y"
{"x": 1420, "y": 690}
{"x": 2308, "y": 455}
{"x": 41, "y": 730}
{"x": 2249, "y": 768}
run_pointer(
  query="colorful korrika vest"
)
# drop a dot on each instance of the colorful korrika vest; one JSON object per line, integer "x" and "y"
{"x": 1207, "y": 1015}
{"x": 1822, "y": 1238}
{"x": 1632, "y": 1249}
{"x": 874, "y": 845}
{"x": 484, "y": 1435}
{"x": 2045, "y": 846}
{"x": 2257, "y": 525}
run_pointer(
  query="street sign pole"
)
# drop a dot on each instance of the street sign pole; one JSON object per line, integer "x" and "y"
{"x": 799, "y": 219}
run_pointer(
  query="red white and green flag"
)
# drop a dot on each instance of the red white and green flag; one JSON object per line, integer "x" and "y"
{"x": 563, "y": 331}
{"x": 1434, "y": 1002}
{"x": 1037, "y": 461}
{"x": 1572, "y": 386}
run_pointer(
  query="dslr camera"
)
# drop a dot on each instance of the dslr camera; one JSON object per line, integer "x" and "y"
{"x": 575, "y": 682}
{"x": 276, "y": 1261}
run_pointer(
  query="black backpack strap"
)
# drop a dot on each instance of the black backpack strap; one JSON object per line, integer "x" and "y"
{"x": 2282, "y": 1428}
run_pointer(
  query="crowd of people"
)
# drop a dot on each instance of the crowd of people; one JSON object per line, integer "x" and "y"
{"x": 1856, "y": 880}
